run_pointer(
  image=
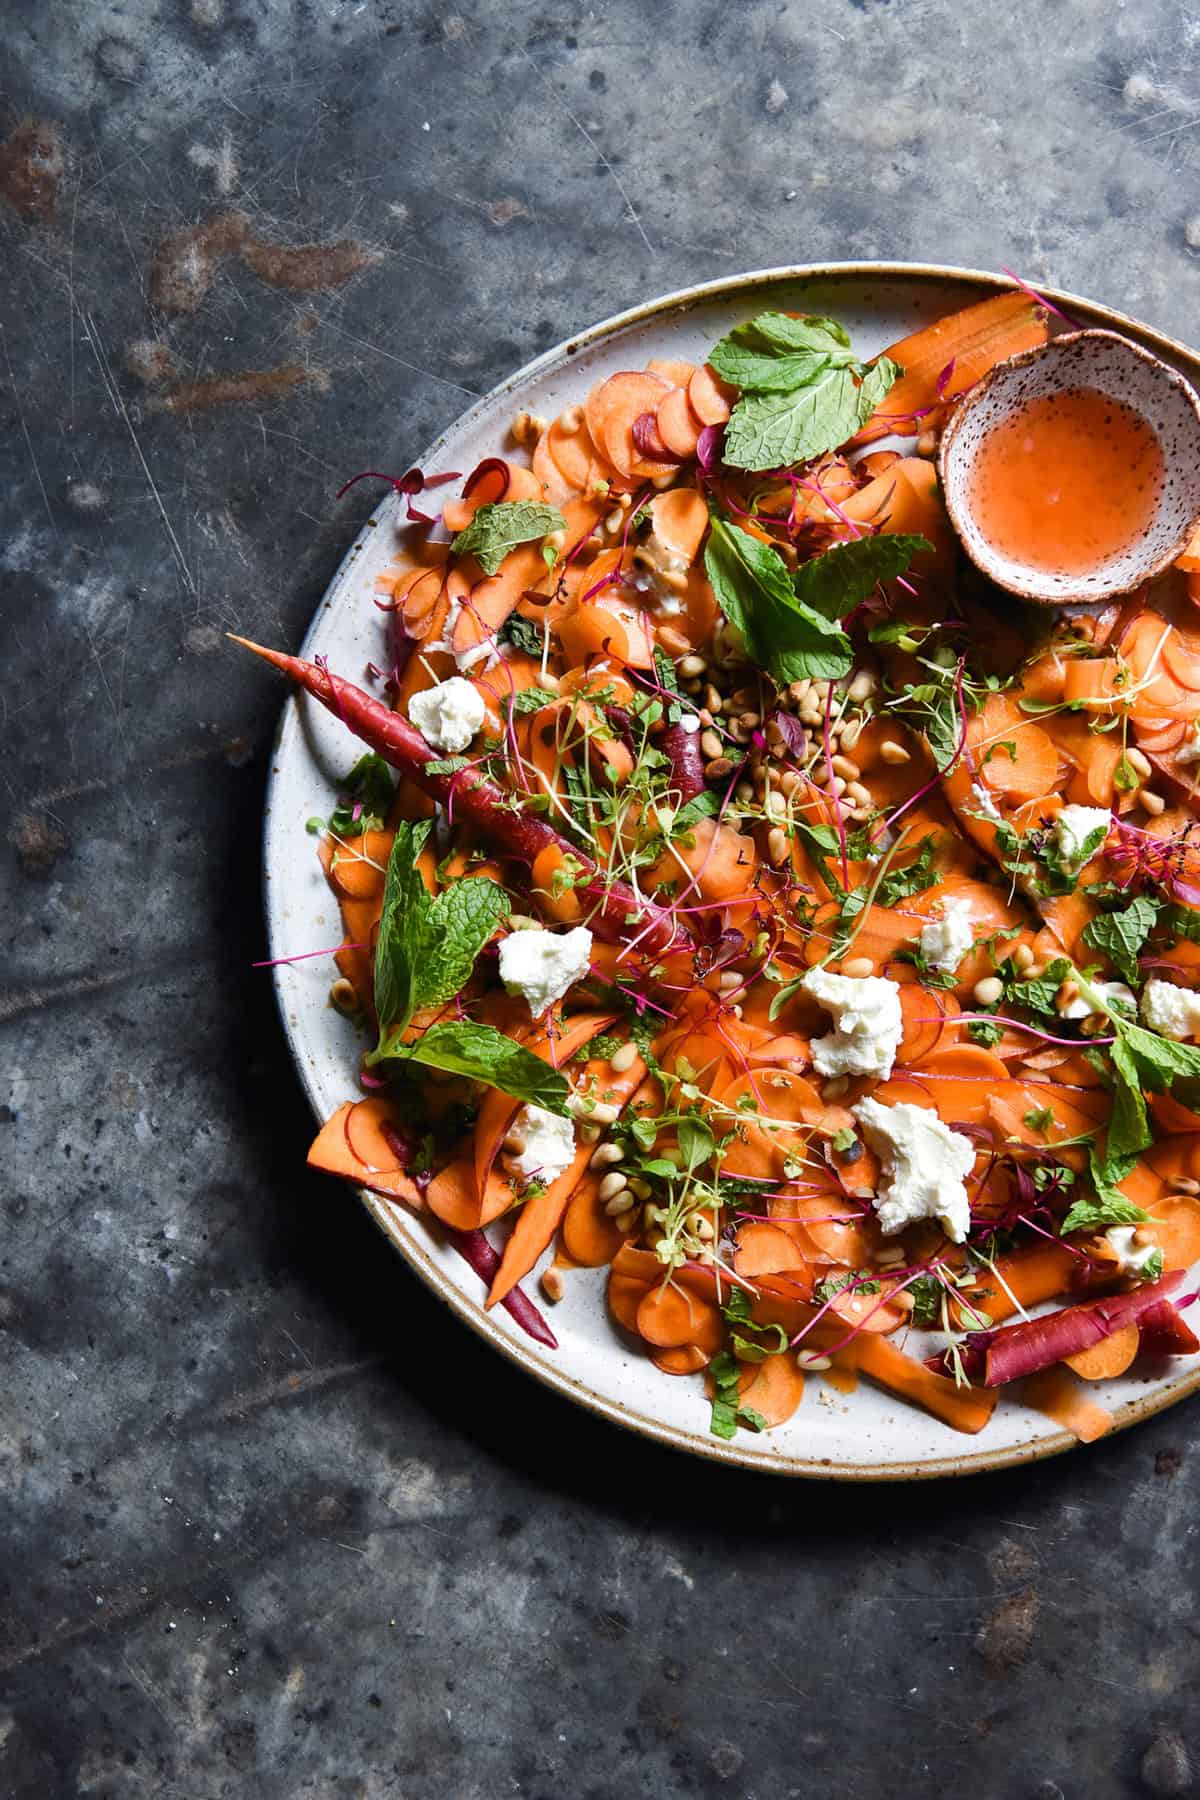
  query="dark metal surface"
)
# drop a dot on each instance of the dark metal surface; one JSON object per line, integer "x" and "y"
{"x": 273, "y": 1524}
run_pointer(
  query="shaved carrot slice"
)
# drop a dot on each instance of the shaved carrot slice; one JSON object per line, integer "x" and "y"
{"x": 680, "y": 521}
{"x": 773, "y": 1388}
{"x": 966, "y": 345}
{"x": 685, "y": 1359}
{"x": 1110, "y": 1357}
{"x": 612, "y": 410}
{"x": 669, "y": 369}
{"x": 967, "y": 1409}
{"x": 678, "y": 426}
{"x": 711, "y": 399}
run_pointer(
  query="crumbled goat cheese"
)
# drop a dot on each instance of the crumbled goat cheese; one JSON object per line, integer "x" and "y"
{"x": 547, "y": 1144}
{"x": 1172, "y": 1011}
{"x": 982, "y": 802}
{"x": 1079, "y": 1008}
{"x": 868, "y": 1024}
{"x": 1131, "y": 1258}
{"x": 946, "y": 940}
{"x": 924, "y": 1167}
{"x": 1190, "y": 751}
{"x": 1075, "y": 825}
{"x": 689, "y": 722}
{"x": 448, "y": 715}
{"x": 542, "y": 965}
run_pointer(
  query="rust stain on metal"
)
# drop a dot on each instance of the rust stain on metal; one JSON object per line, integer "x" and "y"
{"x": 38, "y": 843}
{"x": 187, "y": 262}
{"x": 32, "y": 163}
{"x": 246, "y": 387}
{"x": 150, "y": 361}
{"x": 1006, "y": 1634}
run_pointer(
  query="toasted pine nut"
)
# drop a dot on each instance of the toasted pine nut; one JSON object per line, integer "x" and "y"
{"x": 833, "y": 1090}
{"x": 777, "y": 845}
{"x": 856, "y": 792}
{"x": 813, "y": 1361}
{"x": 1183, "y": 1184}
{"x": 570, "y": 421}
{"x": 729, "y": 980}
{"x": 1067, "y": 992}
{"x": 710, "y": 743}
{"x": 892, "y": 752}
{"x": 1022, "y": 956}
{"x": 842, "y": 765}
{"x": 857, "y": 968}
{"x": 1137, "y": 759}
{"x": 588, "y": 1134}
{"x": 852, "y": 730}
{"x": 606, "y": 1154}
{"x": 692, "y": 665}
{"x": 626, "y": 1221}
{"x": 623, "y": 1059}
{"x": 641, "y": 1188}
{"x": 800, "y": 690}
{"x": 718, "y": 768}
{"x": 862, "y": 687}
{"x": 989, "y": 990}
{"x": 605, "y": 1113}
{"x": 343, "y": 995}
{"x": 551, "y": 1284}
{"x": 1153, "y": 803}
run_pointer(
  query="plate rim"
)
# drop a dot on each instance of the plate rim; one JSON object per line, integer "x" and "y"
{"x": 382, "y": 1211}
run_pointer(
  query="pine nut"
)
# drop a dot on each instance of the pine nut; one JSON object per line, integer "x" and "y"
{"x": 813, "y": 1361}
{"x": 989, "y": 990}
{"x": 730, "y": 979}
{"x": 1182, "y": 1184}
{"x": 1034, "y": 970}
{"x": 777, "y": 845}
{"x": 623, "y": 1059}
{"x": 776, "y": 806}
{"x": 710, "y": 744}
{"x": 856, "y": 792}
{"x": 343, "y": 995}
{"x": 903, "y": 1300}
{"x": 1144, "y": 1235}
{"x": 713, "y": 698}
{"x": 858, "y": 968}
{"x": 851, "y": 732}
{"x": 588, "y": 1134}
{"x": 1139, "y": 761}
{"x": 1022, "y": 956}
{"x": 744, "y": 792}
{"x": 891, "y": 1257}
{"x": 1067, "y": 992}
{"x": 571, "y": 421}
{"x": 894, "y": 753}
{"x": 610, "y": 1188}
{"x": 862, "y": 687}
{"x": 614, "y": 521}
{"x": 837, "y": 786}
{"x": 641, "y": 1188}
{"x": 789, "y": 781}
{"x": 693, "y": 665}
{"x": 833, "y": 1090}
{"x": 675, "y": 579}
{"x": 800, "y": 690}
{"x": 1095, "y": 1025}
{"x": 606, "y": 1154}
{"x": 1153, "y": 803}
{"x": 750, "y": 721}
{"x": 704, "y": 1229}
{"x": 551, "y": 1284}
{"x": 605, "y": 1113}
{"x": 626, "y": 1221}
{"x": 555, "y": 539}
{"x": 927, "y": 445}
{"x": 842, "y": 765}
{"x": 718, "y": 768}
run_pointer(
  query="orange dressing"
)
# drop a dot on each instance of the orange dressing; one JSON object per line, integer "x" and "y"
{"x": 1068, "y": 483}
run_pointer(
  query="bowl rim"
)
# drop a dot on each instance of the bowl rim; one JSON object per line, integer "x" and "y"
{"x": 1025, "y": 582}
{"x": 417, "y": 1257}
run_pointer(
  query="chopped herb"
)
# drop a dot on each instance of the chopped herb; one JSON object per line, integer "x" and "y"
{"x": 501, "y": 525}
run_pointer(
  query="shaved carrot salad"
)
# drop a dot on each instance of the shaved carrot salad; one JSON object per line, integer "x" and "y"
{"x": 742, "y": 897}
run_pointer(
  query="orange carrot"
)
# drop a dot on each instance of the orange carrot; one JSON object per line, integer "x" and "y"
{"x": 680, "y": 521}
{"x": 967, "y": 344}
{"x": 612, "y": 410}
{"x": 711, "y": 399}
{"x": 1110, "y": 1357}
{"x": 967, "y": 1409}
{"x": 773, "y": 1388}
{"x": 678, "y": 426}
{"x": 1055, "y": 1392}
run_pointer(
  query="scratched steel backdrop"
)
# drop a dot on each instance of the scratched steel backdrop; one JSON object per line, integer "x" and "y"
{"x": 272, "y": 1524}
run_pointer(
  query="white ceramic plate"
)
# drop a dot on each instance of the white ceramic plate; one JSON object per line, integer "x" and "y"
{"x": 863, "y": 1436}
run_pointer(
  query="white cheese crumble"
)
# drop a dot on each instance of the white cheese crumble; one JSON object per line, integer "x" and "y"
{"x": 689, "y": 722}
{"x": 868, "y": 1024}
{"x": 1189, "y": 752}
{"x": 946, "y": 940}
{"x": 1079, "y": 1008}
{"x": 924, "y": 1167}
{"x": 448, "y": 715}
{"x": 1075, "y": 825}
{"x": 1131, "y": 1258}
{"x": 547, "y": 1144}
{"x": 542, "y": 965}
{"x": 1172, "y": 1011}
{"x": 983, "y": 802}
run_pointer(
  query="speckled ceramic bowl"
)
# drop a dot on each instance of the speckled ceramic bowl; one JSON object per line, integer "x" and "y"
{"x": 865, "y": 1436}
{"x": 1114, "y": 366}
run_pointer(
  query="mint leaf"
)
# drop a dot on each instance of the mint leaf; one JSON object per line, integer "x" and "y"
{"x": 1128, "y": 1130}
{"x": 1095, "y": 1215}
{"x": 775, "y": 431}
{"x": 522, "y": 634}
{"x": 1120, "y": 936}
{"x": 369, "y": 788}
{"x": 501, "y": 525}
{"x": 754, "y": 590}
{"x": 457, "y": 926}
{"x": 1160, "y": 1060}
{"x": 928, "y": 1293}
{"x": 406, "y": 905}
{"x": 727, "y": 1410}
{"x": 835, "y": 583}
{"x": 530, "y": 699}
{"x": 481, "y": 1053}
{"x": 775, "y": 353}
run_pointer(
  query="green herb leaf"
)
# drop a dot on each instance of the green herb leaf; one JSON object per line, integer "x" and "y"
{"x": 1094, "y": 1215}
{"x": 834, "y": 1284}
{"x": 501, "y": 525}
{"x": 834, "y": 583}
{"x": 457, "y": 926}
{"x": 1120, "y": 935}
{"x": 1128, "y": 1130}
{"x": 727, "y": 1410}
{"x": 522, "y": 634}
{"x": 696, "y": 1140}
{"x": 927, "y": 1297}
{"x": 1160, "y": 1060}
{"x": 775, "y": 353}
{"x": 530, "y": 699}
{"x": 461, "y": 1047}
{"x": 402, "y": 919}
{"x": 370, "y": 787}
{"x": 777, "y": 430}
{"x": 754, "y": 590}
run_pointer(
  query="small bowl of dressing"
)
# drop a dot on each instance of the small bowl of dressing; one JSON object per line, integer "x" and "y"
{"x": 1071, "y": 473}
